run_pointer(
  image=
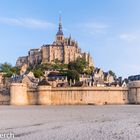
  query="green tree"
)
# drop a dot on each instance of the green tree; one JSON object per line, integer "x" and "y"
{"x": 89, "y": 70}
{"x": 73, "y": 75}
{"x": 38, "y": 73}
{"x": 15, "y": 70}
{"x": 112, "y": 73}
{"x": 56, "y": 61}
{"x": 56, "y": 66}
{"x": 45, "y": 66}
{"x": 79, "y": 65}
{"x": 7, "y": 69}
{"x": 82, "y": 61}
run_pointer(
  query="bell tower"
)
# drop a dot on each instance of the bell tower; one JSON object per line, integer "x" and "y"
{"x": 59, "y": 35}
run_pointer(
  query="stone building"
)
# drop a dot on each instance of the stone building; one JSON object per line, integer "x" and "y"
{"x": 63, "y": 50}
{"x": 98, "y": 76}
{"x": 101, "y": 77}
{"x": 1, "y": 78}
{"x": 108, "y": 78}
{"x": 21, "y": 61}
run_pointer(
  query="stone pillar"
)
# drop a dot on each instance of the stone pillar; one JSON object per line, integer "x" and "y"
{"x": 134, "y": 92}
{"x": 44, "y": 95}
{"x": 18, "y": 93}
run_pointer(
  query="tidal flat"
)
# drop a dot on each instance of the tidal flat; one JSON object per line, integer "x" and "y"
{"x": 71, "y": 122}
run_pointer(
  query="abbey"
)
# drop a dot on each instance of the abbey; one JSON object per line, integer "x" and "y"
{"x": 63, "y": 50}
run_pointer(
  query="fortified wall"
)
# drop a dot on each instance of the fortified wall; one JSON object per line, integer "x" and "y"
{"x": 4, "y": 96}
{"x": 134, "y": 92}
{"x": 20, "y": 94}
{"x": 45, "y": 95}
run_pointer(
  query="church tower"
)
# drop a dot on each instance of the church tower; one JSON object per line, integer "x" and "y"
{"x": 59, "y": 35}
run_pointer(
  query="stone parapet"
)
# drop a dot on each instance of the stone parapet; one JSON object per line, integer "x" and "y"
{"x": 90, "y": 89}
{"x": 32, "y": 96}
{"x": 18, "y": 94}
{"x": 134, "y": 84}
{"x": 134, "y": 92}
{"x": 89, "y": 95}
{"x": 44, "y": 95}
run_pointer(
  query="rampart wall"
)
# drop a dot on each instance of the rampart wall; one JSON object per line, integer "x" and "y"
{"x": 20, "y": 94}
{"x": 4, "y": 96}
{"x": 45, "y": 95}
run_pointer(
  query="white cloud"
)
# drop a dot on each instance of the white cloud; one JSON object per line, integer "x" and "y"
{"x": 128, "y": 37}
{"x": 27, "y": 22}
{"x": 94, "y": 27}
{"x": 97, "y": 26}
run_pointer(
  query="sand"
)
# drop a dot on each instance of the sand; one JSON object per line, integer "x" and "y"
{"x": 81, "y": 122}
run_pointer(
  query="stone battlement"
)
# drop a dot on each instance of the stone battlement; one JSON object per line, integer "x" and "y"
{"x": 45, "y": 95}
{"x": 20, "y": 94}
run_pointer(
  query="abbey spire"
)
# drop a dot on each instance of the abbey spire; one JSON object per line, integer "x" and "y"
{"x": 60, "y": 32}
{"x": 59, "y": 35}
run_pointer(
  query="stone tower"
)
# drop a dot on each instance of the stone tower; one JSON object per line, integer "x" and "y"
{"x": 59, "y": 35}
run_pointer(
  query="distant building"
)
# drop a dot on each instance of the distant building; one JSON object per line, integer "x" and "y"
{"x": 98, "y": 76}
{"x": 108, "y": 78}
{"x": 63, "y": 50}
{"x": 102, "y": 78}
{"x": 21, "y": 61}
{"x": 134, "y": 78}
{"x": 1, "y": 78}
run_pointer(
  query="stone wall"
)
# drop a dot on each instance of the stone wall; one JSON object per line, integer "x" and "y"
{"x": 134, "y": 92}
{"x": 19, "y": 96}
{"x": 89, "y": 95}
{"x": 45, "y": 95}
{"x": 32, "y": 95}
{"x": 4, "y": 96}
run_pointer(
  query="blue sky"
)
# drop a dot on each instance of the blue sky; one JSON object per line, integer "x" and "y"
{"x": 108, "y": 29}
